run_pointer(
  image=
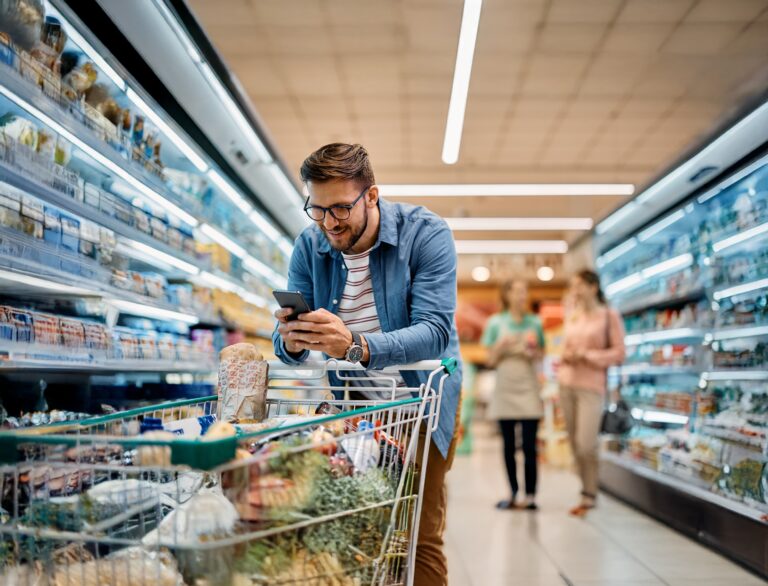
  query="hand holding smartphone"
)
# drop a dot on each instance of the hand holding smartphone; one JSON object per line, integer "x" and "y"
{"x": 294, "y": 300}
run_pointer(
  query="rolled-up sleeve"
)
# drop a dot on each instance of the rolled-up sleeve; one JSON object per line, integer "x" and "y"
{"x": 433, "y": 304}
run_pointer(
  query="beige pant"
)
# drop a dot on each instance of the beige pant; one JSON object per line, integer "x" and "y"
{"x": 583, "y": 411}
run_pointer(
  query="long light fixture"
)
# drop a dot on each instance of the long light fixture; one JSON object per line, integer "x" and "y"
{"x": 224, "y": 241}
{"x": 740, "y": 237}
{"x": 257, "y": 267}
{"x": 210, "y": 280}
{"x": 682, "y": 261}
{"x": 736, "y": 374}
{"x": 616, "y": 252}
{"x": 470, "y": 21}
{"x": 86, "y": 47}
{"x": 522, "y": 224}
{"x": 180, "y": 143}
{"x": 45, "y": 284}
{"x": 743, "y": 332}
{"x": 265, "y": 226}
{"x": 144, "y": 253}
{"x": 732, "y": 179}
{"x": 505, "y": 189}
{"x": 654, "y": 416}
{"x": 661, "y": 225}
{"x": 285, "y": 246}
{"x": 739, "y": 289}
{"x": 151, "y": 311}
{"x": 158, "y": 199}
{"x": 623, "y": 284}
{"x": 511, "y": 246}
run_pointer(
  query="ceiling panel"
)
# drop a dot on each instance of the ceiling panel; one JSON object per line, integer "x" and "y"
{"x": 655, "y": 11}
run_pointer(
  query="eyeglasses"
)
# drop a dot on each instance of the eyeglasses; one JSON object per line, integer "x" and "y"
{"x": 339, "y": 211}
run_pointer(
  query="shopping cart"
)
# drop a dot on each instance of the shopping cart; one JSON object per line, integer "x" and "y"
{"x": 324, "y": 492}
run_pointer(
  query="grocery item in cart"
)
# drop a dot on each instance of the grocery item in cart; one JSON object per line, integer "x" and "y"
{"x": 242, "y": 384}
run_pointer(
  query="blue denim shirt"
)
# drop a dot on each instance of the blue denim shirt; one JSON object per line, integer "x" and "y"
{"x": 413, "y": 269}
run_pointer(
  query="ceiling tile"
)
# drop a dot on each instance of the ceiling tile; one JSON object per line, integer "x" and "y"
{"x": 636, "y": 38}
{"x": 374, "y": 76}
{"x": 239, "y": 41}
{"x": 362, "y": 13}
{"x": 701, "y": 39}
{"x": 274, "y": 108}
{"x": 655, "y": 11}
{"x": 298, "y": 40}
{"x": 258, "y": 76}
{"x": 717, "y": 11}
{"x": 752, "y": 41}
{"x": 279, "y": 13}
{"x": 587, "y": 11}
{"x": 310, "y": 78}
{"x": 348, "y": 40}
{"x": 570, "y": 37}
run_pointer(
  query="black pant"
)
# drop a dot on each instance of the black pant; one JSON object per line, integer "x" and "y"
{"x": 530, "y": 429}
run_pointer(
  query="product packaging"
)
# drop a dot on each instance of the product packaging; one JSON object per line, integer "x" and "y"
{"x": 242, "y": 384}
{"x": 89, "y": 239}
{"x": 52, "y": 225}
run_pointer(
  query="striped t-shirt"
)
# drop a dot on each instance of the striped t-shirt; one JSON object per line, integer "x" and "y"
{"x": 357, "y": 309}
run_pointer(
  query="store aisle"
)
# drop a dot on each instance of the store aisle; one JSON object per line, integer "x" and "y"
{"x": 615, "y": 546}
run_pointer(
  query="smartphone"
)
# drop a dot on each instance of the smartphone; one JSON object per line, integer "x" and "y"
{"x": 293, "y": 299}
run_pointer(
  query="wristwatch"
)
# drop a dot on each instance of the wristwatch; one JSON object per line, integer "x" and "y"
{"x": 355, "y": 351}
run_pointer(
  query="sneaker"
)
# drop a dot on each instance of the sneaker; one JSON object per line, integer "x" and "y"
{"x": 506, "y": 505}
{"x": 530, "y": 503}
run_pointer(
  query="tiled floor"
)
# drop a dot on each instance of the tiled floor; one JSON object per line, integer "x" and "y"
{"x": 614, "y": 546}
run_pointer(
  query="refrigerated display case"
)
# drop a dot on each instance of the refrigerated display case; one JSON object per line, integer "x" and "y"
{"x": 129, "y": 251}
{"x": 692, "y": 287}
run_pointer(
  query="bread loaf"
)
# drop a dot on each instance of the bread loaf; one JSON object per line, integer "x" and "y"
{"x": 242, "y": 384}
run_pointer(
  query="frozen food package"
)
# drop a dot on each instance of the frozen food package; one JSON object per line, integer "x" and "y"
{"x": 242, "y": 384}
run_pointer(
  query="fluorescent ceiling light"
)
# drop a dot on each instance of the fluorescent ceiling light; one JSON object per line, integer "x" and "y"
{"x": 739, "y": 289}
{"x": 736, "y": 374}
{"x": 152, "y": 312}
{"x": 678, "y": 262}
{"x": 545, "y": 274}
{"x": 745, "y": 332}
{"x": 470, "y": 22}
{"x": 180, "y": 143}
{"x": 45, "y": 284}
{"x": 124, "y": 174}
{"x": 616, "y": 217}
{"x": 738, "y": 176}
{"x": 505, "y": 189}
{"x": 661, "y": 225}
{"x": 481, "y": 274}
{"x": 616, "y": 252}
{"x": 286, "y": 247}
{"x": 236, "y": 113}
{"x": 150, "y": 255}
{"x": 740, "y": 237}
{"x": 511, "y": 246}
{"x": 489, "y": 224}
{"x": 219, "y": 238}
{"x": 86, "y": 47}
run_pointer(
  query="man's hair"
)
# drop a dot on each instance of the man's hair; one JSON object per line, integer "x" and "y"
{"x": 339, "y": 161}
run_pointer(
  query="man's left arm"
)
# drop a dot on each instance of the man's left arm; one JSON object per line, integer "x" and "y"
{"x": 433, "y": 305}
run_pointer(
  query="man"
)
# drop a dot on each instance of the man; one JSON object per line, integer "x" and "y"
{"x": 381, "y": 278}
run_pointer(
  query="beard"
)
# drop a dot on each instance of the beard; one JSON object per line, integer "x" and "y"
{"x": 353, "y": 235}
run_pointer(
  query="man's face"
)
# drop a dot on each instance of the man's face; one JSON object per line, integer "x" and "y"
{"x": 341, "y": 234}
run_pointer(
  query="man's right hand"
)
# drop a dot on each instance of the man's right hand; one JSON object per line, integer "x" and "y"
{"x": 281, "y": 315}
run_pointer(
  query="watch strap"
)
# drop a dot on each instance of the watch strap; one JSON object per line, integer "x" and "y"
{"x": 356, "y": 339}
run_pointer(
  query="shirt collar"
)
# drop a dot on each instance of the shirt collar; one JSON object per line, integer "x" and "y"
{"x": 387, "y": 230}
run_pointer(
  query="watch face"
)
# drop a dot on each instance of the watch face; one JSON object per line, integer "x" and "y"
{"x": 355, "y": 354}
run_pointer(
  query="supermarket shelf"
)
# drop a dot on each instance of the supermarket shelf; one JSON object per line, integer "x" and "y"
{"x": 652, "y": 369}
{"x": 77, "y": 208}
{"x": 741, "y": 288}
{"x": 29, "y": 93}
{"x": 110, "y": 366}
{"x": 729, "y": 527}
{"x": 660, "y": 300}
{"x": 672, "y": 482}
{"x": 735, "y": 242}
{"x": 735, "y": 374}
{"x": 740, "y": 332}
{"x": 754, "y": 442}
{"x": 646, "y": 337}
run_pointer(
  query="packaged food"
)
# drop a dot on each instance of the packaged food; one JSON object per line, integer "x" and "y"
{"x": 72, "y": 332}
{"x": 107, "y": 245}
{"x": 242, "y": 384}
{"x": 89, "y": 239}
{"x": 159, "y": 229}
{"x": 138, "y": 283}
{"x": 126, "y": 344}
{"x": 32, "y": 216}
{"x": 147, "y": 345}
{"x": 52, "y": 225}
{"x": 96, "y": 336}
{"x": 166, "y": 347}
{"x": 46, "y": 329}
{"x": 22, "y": 322}
{"x": 92, "y": 196}
{"x": 155, "y": 285}
{"x": 7, "y": 54}
{"x": 141, "y": 220}
{"x": 7, "y": 327}
{"x": 70, "y": 232}
{"x": 121, "y": 279}
{"x": 10, "y": 213}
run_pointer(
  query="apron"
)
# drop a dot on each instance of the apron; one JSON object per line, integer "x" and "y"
{"x": 517, "y": 393}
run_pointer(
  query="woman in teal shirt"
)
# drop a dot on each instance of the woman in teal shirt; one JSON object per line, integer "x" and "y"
{"x": 515, "y": 342}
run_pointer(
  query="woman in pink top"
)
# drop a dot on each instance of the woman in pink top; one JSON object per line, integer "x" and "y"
{"x": 594, "y": 340}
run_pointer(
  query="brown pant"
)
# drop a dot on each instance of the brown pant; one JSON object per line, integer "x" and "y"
{"x": 583, "y": 411}
{"x": 431, "y": 565}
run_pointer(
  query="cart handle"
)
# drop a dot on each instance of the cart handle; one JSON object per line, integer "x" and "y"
{"x": 449, "y": 365}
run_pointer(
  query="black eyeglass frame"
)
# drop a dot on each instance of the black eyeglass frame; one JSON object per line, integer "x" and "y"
{"x": 346, "y": 206}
